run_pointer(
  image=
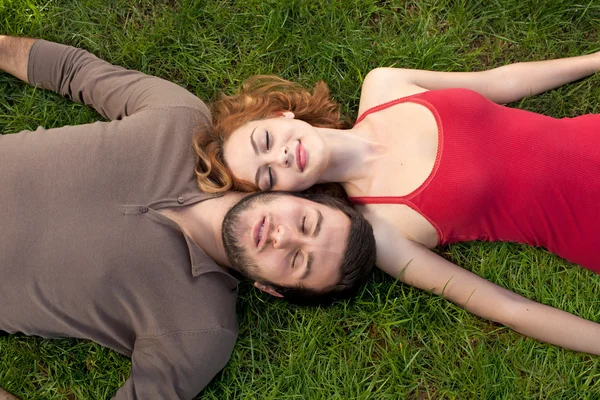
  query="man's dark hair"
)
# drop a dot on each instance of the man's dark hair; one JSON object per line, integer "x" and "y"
{"x": 357, "y": 262}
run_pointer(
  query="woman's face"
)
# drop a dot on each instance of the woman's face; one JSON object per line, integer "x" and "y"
{"x": 280, "y": 153}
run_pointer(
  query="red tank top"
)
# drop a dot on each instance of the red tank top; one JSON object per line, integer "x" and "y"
{"x": 509, "y": 175}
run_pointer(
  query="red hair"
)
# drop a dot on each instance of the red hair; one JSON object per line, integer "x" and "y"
{"x": 260, "y": 97}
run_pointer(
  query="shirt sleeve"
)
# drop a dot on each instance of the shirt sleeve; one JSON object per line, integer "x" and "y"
{"x": 115, "y": 92}
{"x": 176, "y": 366}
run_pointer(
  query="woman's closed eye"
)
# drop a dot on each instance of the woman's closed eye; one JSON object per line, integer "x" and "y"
{"x": 270, "y": 181}
{"x": 265, "y": 178}
{"x": 270, "y": 178}
{"x": 267, "y": 141}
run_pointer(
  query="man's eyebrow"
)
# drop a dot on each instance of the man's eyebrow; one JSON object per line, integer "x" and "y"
{"x": 314, "y": 234}
{"x": 308, "y": 266}
{"x": 254, "y": 146}
{"x": 318, "y": 225}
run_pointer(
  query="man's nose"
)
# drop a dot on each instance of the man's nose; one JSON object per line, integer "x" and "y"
{"x": 282, "y": 237}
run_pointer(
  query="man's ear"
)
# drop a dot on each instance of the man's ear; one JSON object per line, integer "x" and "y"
{"x": 287, "y": 114}
{"x": 268, "y": 289}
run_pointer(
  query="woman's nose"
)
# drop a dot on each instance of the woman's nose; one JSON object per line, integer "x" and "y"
{"x": 284, "y": 158}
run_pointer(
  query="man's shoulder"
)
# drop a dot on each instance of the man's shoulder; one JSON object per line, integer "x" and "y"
{"x": 187, "y": 108}
{"x": 215, "y": 332}
{"x": 199, "y": 304}
{"x": 191, "y": 342}
{"x": 219, "y": 299}
{"x": 175, "y": 98}
{"x": 172, "y": 123}
{"x": 180, "y": 363}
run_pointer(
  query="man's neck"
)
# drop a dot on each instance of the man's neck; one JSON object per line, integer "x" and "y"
{"x": 202, "y": 223}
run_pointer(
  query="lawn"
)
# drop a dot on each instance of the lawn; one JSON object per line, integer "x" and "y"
{"x": 392, "y": 341}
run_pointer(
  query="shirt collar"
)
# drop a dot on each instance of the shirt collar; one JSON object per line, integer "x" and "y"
{"x": 201, "y": 263}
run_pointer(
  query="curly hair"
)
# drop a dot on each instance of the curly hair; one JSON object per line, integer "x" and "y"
{"x": 260, "y": 97}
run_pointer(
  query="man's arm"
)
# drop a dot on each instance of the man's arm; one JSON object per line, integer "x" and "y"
{"x": 14, "y": 55}
{"x": 115, "y": 92}
{"x": 177, "y": 365}
{"x": 4, "y": 395}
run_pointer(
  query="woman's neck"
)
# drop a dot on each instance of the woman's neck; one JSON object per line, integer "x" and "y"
{"x": 352, "y": 152}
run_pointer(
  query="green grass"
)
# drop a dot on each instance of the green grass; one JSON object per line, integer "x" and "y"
{"x": 392, "y": 341}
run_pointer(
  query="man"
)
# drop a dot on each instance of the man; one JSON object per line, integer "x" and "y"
{"x": 308, "y": 275}
{"x": 105, "y": 235}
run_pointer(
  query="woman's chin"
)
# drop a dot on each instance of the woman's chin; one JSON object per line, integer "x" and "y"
{"x": 305, "y": 186}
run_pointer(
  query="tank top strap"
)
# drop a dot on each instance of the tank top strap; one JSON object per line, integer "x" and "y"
{"x": 408, "y": 198}
{"x": 362, "y": 200}
{"x": 385, "y": 105}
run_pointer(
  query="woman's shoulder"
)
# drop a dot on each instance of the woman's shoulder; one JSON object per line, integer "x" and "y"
{"x": 400, "y": 221}
{"x": 382, "y": 85}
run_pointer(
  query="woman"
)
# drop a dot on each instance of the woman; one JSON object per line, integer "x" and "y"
{"x": 433, "y": 160}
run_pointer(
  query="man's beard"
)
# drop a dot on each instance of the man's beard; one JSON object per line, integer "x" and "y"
{"x": 231, "y": 232}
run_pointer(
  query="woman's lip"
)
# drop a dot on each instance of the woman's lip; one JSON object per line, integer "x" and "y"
{"x": 300, "y": 156}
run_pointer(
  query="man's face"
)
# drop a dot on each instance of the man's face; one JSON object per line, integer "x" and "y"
{"x": 286, "y": 240}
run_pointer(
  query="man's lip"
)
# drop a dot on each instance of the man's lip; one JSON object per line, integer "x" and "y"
{"x": 265, "y": 233}
{"x": 263, "y": 239}
{"x": 256, "y": 231}
{"x": 300, "y": 156}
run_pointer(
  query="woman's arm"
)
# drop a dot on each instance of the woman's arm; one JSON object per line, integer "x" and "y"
{"x": 504, "y": 84}
{"x": 14, "y": 55}
{"x": 416, "y": 265}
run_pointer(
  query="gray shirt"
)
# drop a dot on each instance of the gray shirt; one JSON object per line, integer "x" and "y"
{"x": 84, "y": 251}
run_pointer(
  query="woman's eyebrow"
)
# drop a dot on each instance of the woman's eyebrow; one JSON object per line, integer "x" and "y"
{"x": 254, "y": 146}
{"x": 257, "y": 176}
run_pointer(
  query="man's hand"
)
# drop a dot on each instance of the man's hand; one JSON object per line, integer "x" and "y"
{"x": 14, "y": 59}
{"x": 4, "y": 395}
